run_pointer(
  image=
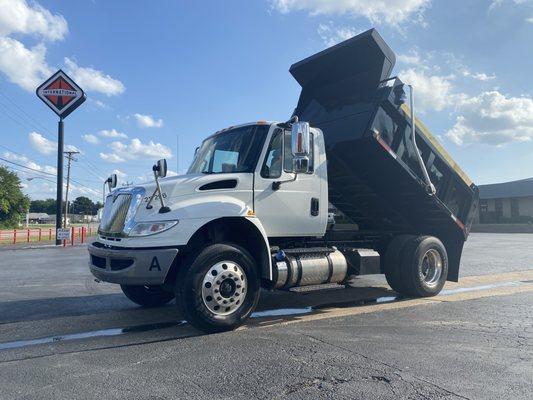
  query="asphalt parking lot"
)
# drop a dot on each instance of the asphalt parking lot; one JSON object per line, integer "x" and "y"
{"x": 64, "y": 336}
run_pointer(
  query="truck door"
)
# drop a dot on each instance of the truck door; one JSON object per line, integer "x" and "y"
{"x": 287, "y": 206}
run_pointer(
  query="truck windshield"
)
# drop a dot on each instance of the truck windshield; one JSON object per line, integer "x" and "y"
{"x": 235, "y": 150}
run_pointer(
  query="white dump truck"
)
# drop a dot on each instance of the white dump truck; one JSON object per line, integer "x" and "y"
{"x": 352, "y": 184}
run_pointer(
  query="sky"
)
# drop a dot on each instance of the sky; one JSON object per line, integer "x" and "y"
{"x": 161, "y": 76}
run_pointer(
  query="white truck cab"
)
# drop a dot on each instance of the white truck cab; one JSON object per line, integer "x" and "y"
{"x": 242, "y": 186}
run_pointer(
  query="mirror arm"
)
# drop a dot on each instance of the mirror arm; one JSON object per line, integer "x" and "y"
{"x": 276, "y": 184}
{"x": 163, "y": 209}
{"x": 288, "y": 124}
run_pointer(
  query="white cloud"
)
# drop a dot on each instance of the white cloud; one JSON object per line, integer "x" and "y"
{"x": 431, "y": 92}
{"x": 332, "y": 35}
{"x": 17, "y": 16}
{"x": 392, "y": 12}
{"x": 93, "y": 80}
{"x": 480, "y": 76}
{"x": 42, "y": 144}
{"x": 411, "y": 58}
{"x": 99, "y": 104}
{"x": 119, "y": 173}
{"x": 22, "y": 66}
{"x": 112, "y": 133}
{"x": 497, "y": 3}
{"x": 89, "y": 138}
{"x": 112, "y": 158}
{"x": 147, "y": 121}
{"x": 493, "y": 118}
{"x": 22, "y": 159}
{"x": 135, "y": 150}
{"x": 46, "y": 146}
{"x": 530, "y": 20}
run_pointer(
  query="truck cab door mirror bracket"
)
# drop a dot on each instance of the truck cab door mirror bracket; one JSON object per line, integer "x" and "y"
{"x": 276, "y": 184}
{"x": 160, "y": 170}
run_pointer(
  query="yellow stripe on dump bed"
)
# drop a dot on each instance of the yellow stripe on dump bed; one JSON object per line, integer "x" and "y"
{"x": 444, "y": 154}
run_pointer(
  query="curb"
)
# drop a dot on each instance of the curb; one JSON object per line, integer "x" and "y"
{"x": 42, "y": 246}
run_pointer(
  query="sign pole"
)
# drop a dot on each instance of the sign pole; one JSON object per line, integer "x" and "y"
{"x": 59, "y": 195}
{"x": 62, "y": 95}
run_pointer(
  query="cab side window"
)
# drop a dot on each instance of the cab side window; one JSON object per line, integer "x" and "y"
{"x": 273, "y": 161}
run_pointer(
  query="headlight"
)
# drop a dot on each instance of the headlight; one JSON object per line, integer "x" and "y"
{"x": 151, "y": 228}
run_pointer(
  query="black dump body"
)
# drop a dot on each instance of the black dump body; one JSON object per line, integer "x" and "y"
{"x": 373, "y": 173}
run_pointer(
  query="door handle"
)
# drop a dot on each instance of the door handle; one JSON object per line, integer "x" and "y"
{"x": 315, "y": 207}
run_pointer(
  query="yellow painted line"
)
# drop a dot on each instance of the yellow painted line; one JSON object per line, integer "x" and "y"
{"x": 509, "y": 284}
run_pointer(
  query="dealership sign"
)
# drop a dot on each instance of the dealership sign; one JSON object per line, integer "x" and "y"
{"x": 61, "y": 94}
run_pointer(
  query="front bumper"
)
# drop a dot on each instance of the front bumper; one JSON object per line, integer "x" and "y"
{"x": 127, "y": 266}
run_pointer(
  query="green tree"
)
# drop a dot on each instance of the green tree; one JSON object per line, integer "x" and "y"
{"x": 47, "y": 206}
{"x": 13, "y": 203}
{"x": 98, "y": 205}
{"x": 82, "y": 205}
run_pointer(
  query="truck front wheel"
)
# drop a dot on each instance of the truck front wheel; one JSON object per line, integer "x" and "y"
{"x": 424, "y": 266}
{"x": 147, "y": 296}
{"x": 220, "y": 288}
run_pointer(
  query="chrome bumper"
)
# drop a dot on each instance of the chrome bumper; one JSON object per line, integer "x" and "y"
{"x": 131, "y": 266}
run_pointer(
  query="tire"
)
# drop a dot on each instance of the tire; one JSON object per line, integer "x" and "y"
{"x": 393, "y": 262}
{"x": 220, "y": 288}
{"x": 147, "y": 296}
{"x": 424, "y": 266}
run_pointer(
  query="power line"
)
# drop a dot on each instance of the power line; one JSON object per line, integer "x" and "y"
{"x": 20, "y": 170}
{"x": 28, "y": 115}
{"x": 26, "y": 121}
{"x": 22, "y": 155}
{"x": 86, "y": 160}
{"x": 46, "y": 173}
{"x": 23, "y": 166}
{"x": 86, "y": 167}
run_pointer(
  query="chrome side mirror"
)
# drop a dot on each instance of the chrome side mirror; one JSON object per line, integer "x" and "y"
{"x": 112, "y": 182}
{"x": 301, "y": 165}
{"x": 300, "y": 146}
{"x": 161, "y": 168}
{"x": 300, "y": 141}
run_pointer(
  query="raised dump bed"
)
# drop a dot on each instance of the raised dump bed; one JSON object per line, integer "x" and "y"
{"x": 375, "y": 178}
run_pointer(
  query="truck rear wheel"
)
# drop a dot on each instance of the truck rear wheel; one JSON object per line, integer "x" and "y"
{"x": 147, "y": 296}
{"x": 393, "y": 261}
{"x": 220, "y": 289}
{"x": 424, "y": 266}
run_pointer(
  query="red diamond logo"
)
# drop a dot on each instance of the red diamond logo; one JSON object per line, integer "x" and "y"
{"x": 61, "y": 94}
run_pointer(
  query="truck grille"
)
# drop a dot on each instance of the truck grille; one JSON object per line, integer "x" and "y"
{"x": 115, "y": 213}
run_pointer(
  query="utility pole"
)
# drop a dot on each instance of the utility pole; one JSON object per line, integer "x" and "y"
{"x": 70, "y": 157}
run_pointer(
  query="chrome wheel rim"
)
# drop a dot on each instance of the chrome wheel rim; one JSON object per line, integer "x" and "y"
{"x": 431, "y": 268}
{"x": 224, "y": 288}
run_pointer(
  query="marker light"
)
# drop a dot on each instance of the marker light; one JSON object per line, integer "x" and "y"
{"x": 151, "y": 228}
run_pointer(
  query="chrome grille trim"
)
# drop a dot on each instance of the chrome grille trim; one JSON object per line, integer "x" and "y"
{"x": 119, "y": 211}
{"x": 115, "y": 212}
